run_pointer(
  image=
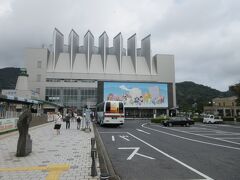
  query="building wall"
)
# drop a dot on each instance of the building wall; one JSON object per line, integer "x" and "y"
{"x": 223, "y": 107}
{"x": 91, "y": 64}
{"x": 36, "y": 60}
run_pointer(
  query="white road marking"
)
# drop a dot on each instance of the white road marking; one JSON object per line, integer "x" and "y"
{"x": 201, "y": 131}
{"x": 194, "y": 140}
{"x": 113, "y": 138}
{"x": 135, "y": 152}
{"x": 174, "y": 159}
{"x": 230, "y": 137}
{"x": 217, "y": 130}
{"x": 142, "y": 131}
{"x": 124, "y": 137}
{"x": 112, "y": 132}
{"x": 223, "y": 134}
{"x": 200, "y": 135}
{"x": 222, "y": 125}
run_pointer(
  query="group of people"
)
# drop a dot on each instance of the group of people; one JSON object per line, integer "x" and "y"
{"x": 83, "y": 122}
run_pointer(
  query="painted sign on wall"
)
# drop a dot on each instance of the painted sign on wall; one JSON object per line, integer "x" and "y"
{"x": 137, "y": 94}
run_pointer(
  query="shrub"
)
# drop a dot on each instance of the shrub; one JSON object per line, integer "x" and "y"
{"x": 198, "y": 119}
{"x": 238, "y": 119}
{"x": 228, "y": 118}
{"x": 159, "y": 119}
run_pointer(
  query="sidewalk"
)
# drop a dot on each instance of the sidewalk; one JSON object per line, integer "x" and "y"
{"x": 66, "y": 156}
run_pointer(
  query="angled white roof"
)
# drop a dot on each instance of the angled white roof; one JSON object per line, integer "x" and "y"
{"x": 142, "y": 66}
{"x": 96, "y": 65}
{"x": 63, "y": 63}
{"x": 80, "y": 64}
{"x": 112, "y": 65}
{"x": 127, "y": 65}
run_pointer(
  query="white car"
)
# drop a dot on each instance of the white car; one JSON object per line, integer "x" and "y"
{"x": 210, "y": 119}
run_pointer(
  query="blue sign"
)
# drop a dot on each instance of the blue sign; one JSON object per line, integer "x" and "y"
{"x": 137, "y": 94}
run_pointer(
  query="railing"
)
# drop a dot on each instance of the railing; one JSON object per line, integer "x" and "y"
{"x": 14, "y": 114}
{"x": 9, "y": 114}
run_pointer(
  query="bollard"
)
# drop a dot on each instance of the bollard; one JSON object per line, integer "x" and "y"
{"x": 93, "y": 167}
{"x": 93, "y": 141}
{"x": 93, "y": 153}
{"x": 104, "y": 176}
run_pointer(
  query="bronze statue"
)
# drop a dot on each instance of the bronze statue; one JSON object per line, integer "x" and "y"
{"x": 24, "y": 146}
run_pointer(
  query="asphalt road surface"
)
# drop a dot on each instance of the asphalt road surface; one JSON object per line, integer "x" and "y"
{"x": 141, "y": 150}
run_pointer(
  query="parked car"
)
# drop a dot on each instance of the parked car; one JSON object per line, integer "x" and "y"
{"x": 181, "y": 121}
{"x": 211, "y": 119}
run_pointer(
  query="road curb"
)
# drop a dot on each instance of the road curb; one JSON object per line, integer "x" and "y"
{"x": 104, "y": 161}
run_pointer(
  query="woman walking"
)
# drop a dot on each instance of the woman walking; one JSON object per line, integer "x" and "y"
{"x": 58, "y": 123}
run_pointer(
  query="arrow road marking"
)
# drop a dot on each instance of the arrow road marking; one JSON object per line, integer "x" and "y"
{"x": 124, "y": 137}
{"x": 135, "y": 152}
{"x": 142, "y": 131}
{"x": 113, "y": 138}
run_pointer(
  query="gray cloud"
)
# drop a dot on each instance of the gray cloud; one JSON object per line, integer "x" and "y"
{"x": 204, "y": 36}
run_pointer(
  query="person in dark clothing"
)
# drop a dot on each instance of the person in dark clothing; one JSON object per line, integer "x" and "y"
{"x": 78, "y": 122}
{"x": 67, "y": 121}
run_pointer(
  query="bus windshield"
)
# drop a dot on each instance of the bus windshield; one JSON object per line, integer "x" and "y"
{"x": 114, "y": 107}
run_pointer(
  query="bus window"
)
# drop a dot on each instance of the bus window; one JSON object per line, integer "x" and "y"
{"x": 108, "y": 107}
{"x": 120, "y": 107}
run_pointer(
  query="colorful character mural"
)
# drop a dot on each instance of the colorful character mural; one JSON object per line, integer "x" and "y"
{"x": 137, "y": 94}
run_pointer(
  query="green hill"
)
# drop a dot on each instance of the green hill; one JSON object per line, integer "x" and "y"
{"x": 8, "y": 77}
{"x": 192, "y": 96}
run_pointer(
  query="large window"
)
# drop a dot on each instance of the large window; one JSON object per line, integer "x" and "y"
{"x": 72, "y": 96}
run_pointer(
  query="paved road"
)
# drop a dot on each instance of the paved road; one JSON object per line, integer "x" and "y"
{"x": 141, "y": 150}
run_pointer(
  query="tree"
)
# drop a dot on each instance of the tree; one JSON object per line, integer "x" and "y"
{"x": 236, "y": 90}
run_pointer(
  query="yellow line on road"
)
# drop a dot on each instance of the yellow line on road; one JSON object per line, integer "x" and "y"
{"x": 54, "y": 170}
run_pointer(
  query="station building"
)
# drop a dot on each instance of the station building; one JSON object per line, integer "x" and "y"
{"x": 76, "y": 75}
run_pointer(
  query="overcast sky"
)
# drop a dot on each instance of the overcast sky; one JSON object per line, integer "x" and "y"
{"x": 204, "y": 35}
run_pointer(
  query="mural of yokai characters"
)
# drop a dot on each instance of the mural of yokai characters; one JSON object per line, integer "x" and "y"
{"x": 137, "y": 94}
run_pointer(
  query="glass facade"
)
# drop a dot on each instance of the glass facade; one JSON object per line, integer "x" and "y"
{"x": 72, "y": 96}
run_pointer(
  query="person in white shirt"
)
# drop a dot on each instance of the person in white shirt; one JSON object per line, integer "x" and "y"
{"x": 58, "y": 123}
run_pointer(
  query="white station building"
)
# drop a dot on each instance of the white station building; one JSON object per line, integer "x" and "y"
{"x": 76, "y": 75}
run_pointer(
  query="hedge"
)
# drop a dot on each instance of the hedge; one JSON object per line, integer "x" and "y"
{"x": 159, "y": 119}
{"x": 228, "y": 118}
{"x": 198, "y": 119}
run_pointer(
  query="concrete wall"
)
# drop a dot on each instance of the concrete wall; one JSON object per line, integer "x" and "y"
{"x": 118, "y": 49}
{"x": 132, "y": 50}
{"x": 88, "y": 47}
{"x": 73, "y": 46}
{"x": 165, "y": 67}
{"x": 103, "y": 48}
{"x": 58, "y": 45}
{"x": 32, "y": 57}
{"x": 146, "y": 51}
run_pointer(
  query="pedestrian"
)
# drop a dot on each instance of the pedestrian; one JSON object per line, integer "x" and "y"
{"x": 79, "y": 118}
{"x": 88, "y": 119}
{"x": 58, "y": 123}
{"x": 72, "y": 117}
{"x": 67, "y": 121}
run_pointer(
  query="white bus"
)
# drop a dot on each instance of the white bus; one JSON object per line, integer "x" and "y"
{"x": 110, "y": 112}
